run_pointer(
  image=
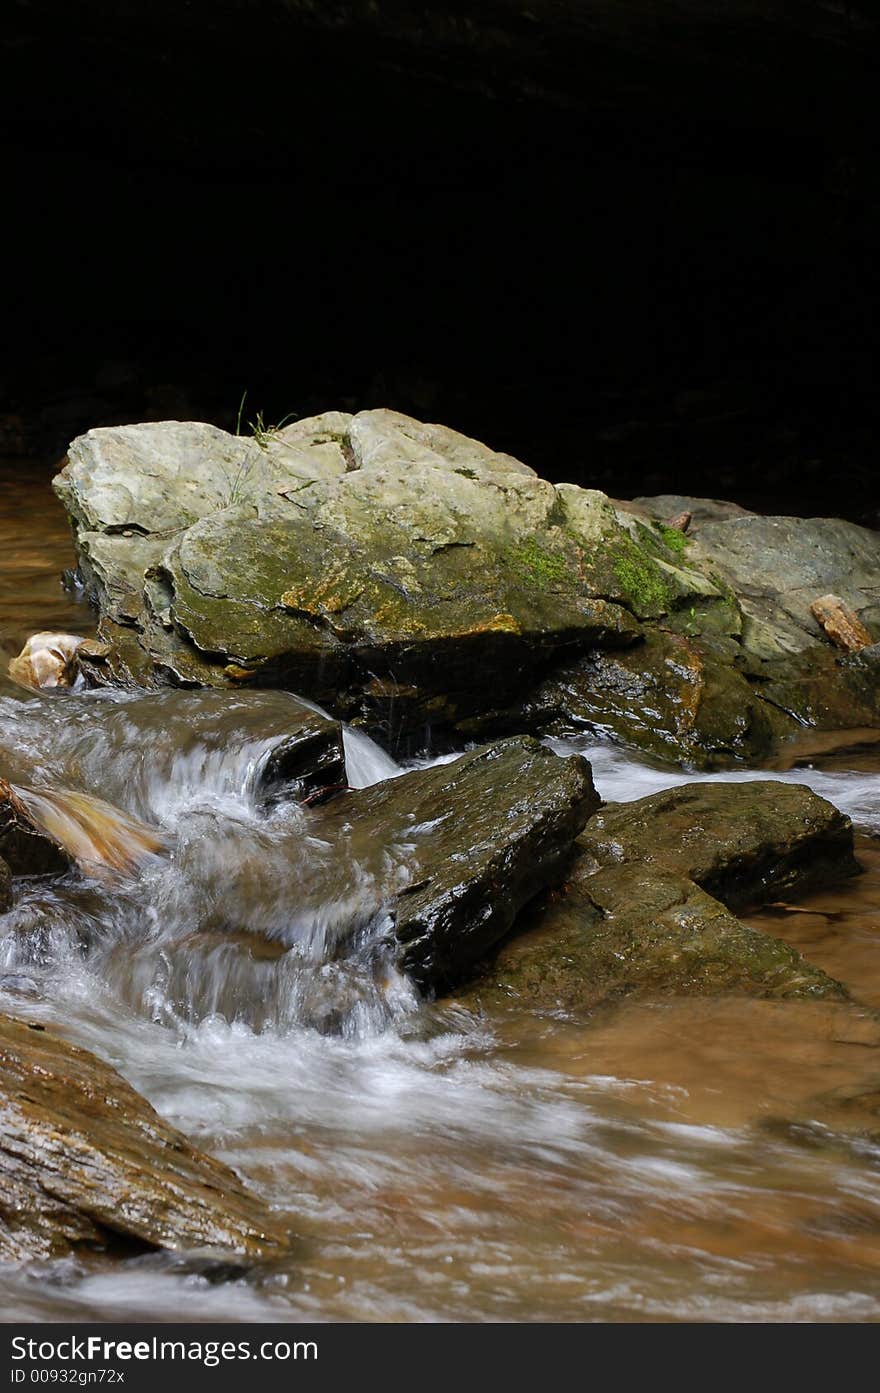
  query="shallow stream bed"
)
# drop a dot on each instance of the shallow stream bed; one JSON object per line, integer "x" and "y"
{"x": 687, "y": 1160}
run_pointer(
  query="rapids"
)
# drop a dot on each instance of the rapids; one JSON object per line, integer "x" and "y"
{"x": 658, "y": 1162}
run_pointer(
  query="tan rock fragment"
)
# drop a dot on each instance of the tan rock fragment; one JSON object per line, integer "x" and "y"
{"x": 840, "y": 623}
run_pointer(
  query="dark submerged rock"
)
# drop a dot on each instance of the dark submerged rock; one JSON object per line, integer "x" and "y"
{"x": 87, "y": 1164}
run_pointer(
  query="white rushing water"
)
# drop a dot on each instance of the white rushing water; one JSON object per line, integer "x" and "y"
{"x": 620, "y": 776}
{"x": 436, "y": 1167}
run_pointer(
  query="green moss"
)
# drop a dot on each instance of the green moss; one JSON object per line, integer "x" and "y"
{"x": 467, "y": 473}
{"x": 644, "y": 585}
{"x": 673, "y": 539}
{"x": 537, "y": 564}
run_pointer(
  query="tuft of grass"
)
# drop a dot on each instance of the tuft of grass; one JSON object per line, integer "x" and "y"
{"x": 261, "y": 432}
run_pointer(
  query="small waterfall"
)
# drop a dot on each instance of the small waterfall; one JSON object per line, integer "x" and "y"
{"x": 366, "y": 762}
{"x": 254, "y": 913}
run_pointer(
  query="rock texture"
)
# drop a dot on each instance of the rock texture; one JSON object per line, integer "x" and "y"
{"x": 408, "y": 577}
{"x": 634, "y": 917}
{"x": 44, "y": 831}
{"x": 361, "y": 559}
{"x": 477, "y": 838}
{"x": 86, "y": 1164}
{"x": 744, "y": 843}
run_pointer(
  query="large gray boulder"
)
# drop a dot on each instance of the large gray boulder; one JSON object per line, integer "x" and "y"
{"x": 408, "y": 577}
{"x": 87, "y": 1165}
{"x": 359, "y": 559}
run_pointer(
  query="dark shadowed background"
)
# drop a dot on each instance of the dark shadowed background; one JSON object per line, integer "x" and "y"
{"x": 634, "y": 243}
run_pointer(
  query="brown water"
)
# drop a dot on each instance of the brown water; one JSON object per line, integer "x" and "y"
{"x": 685, "y": 1160}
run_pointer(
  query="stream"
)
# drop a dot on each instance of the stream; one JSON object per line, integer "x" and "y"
{"x": 657, "y": 1162}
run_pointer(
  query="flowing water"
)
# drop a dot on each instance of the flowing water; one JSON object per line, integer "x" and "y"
{"x": 687, "y": 1160}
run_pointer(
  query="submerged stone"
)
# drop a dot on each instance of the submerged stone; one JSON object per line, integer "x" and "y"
{"x": 87, "y": 1165}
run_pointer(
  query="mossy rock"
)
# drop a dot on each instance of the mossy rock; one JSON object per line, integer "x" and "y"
{"x": 428, "y": 564}
{"x": 635, "y": 915}
{"x": 635, "y": 932}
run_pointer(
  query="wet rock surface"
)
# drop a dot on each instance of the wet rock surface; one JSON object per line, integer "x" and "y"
{"x": 88, "y": 1165}
{"x": 26, "y": 847}
{"x": 744, "y": 843}
{"x": 646, "y": 906}
{"x": 478, "y": 838}
{"x": 411, "y": 578}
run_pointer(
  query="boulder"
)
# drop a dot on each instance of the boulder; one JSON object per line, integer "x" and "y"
{"x": 719, "y": 681}
{"x": 461, "y": 847}
{"x": 362, "y": 560}
{"x": 638, "y": 932}
{"x": 744, "y": 843}
{"x": 670, "y": 696}
{"x": 87, "y": 1165}
{"x": 409, "y": 578}
{"x": 634, "y": 918}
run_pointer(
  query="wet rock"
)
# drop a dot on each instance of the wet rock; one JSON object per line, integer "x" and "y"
{"x": 478, "y": 837}
{"x": 750, "y": 666}
{"x": 25, "y": 846}
{"x": 645, "y": 909}
{"x": 43, "y": 831}
{"x": 745, "y": 843}
{"x": 88, "y": 1165}
{"x": 636, "y": 931}
{"x": 671, "y": 696}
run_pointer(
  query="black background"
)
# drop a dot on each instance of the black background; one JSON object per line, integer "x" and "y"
{"x": 642, "y": 260}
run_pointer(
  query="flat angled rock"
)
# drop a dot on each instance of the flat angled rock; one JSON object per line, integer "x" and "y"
{"x": 745, "y": 843}
{"x": 645, "y": 909}
{"x": 87, "y": 1164}
{"x": 477, "y": 839}
{"x": 637, "y": 931}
